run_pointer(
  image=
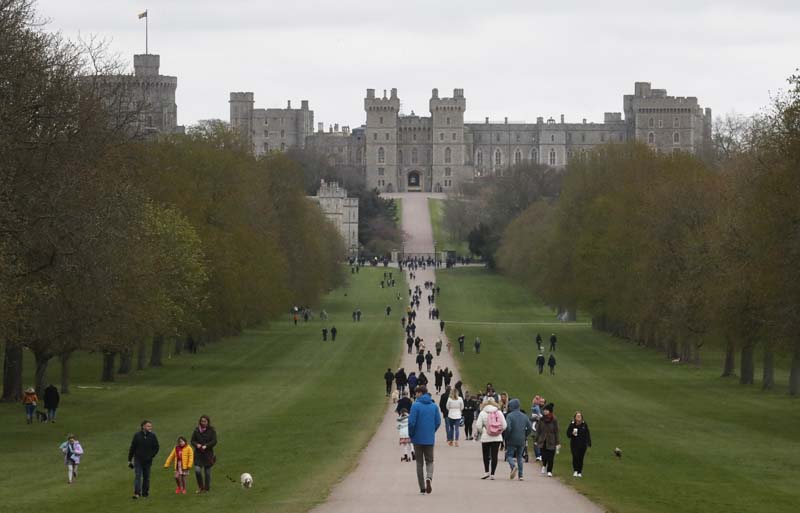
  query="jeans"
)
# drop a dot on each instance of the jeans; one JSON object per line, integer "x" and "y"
{"x": 51, "y": 414}
{"x": 29, "y": 409}
{"x": 424, "y": 456}
{"x": 452, "y": 428}
{"x": 468, "y": 419}
{"x": 199, "y": 473}
{"x": 515, "y": 452}
{"x": 141, "y": 480}
{"x": 490, "y": 450}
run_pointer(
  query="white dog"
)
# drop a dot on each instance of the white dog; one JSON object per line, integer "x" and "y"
{"x": 246, "y": 480}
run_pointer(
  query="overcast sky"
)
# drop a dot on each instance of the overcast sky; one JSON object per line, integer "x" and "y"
{"x": 515, "y": 58}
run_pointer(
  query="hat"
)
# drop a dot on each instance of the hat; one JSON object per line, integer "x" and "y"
{"x": 30, "y": 390}
{"x": 549, "y": 407}
{"x": 489, "y": 400}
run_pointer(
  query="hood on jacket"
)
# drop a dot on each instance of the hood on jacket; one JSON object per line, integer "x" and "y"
{"x": 425, "y": 399}
{"x": 513, "y": 405}
{"x": 489, "y": 408}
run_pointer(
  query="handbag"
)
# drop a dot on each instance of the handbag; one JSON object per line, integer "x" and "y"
{"x": 461, "y": 421}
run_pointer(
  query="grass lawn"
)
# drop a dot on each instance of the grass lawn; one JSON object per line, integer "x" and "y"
{"x": 442, "y": 239}
{"x": 691, "y": 441}
{"x": 288, "y": 408}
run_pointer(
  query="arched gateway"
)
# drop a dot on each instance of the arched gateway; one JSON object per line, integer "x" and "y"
{"x": 414, "y": 182}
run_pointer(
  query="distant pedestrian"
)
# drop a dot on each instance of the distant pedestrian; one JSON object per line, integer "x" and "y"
{"x": 455, "y": 406}
{"x": 29, "y": 400}
{"x": 403, "y": 321}
{"x": 204, "y": 440}
{"x": 51, "y": 400}
{"x": 553, "y": 341}
{"x": 420, "y": 360}
{"x": 438, "y": 346}
{"x": 470, "y": 406}
{"x": 461, "y": 344}
{"x": 437, "y": 379}
{"x": 516, "y": 437}
{"x": 72, "y": 451}
{"x": 551, "y": 362}
{"x": 579, "y": 440}
{"x": 333, "y": 333}
{"x": 428, "y": 360}
{"x": 144, "y": 447}
{"x": 324, "y": 334}
{"x": 400, "y": 380}
{"x": 539, "y": 342}
{"x": 388, "y": 377}
{"x": 540, "y": 363}
{"x": 358, "y": 315}
{"x": 449, "y": 347}
{"x": 422, "y": 379}
{"x": 295, "y": 318}
{"x": 441, "y": 326}
{"x": 490, "y": 426}
{"x": 412, "y": 383}
{"x": 409, "y": 343}
{"x": 404, "y": 403}
{"x": 388, "y": 311}
{"x": 402, "y": 431}
{"x": 447, "y": 375}
{"x": 477, "y": 345}
{"x": 423, "y": 422}
{"x": 547, "y": 439}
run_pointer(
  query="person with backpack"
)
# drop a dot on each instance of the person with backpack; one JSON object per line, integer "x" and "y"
{"x": 423, "y": 422}
{"x": 579, "y": 440}
{"x": 72, "y": 451}
{"x": 516, "y": 437}
{"x": 490, "y": 425}
{"x": 447, "y": 375}
{"x": 388, "y": 377}
{"x": 536, "y": 414}
{"x": 547, "y": 439}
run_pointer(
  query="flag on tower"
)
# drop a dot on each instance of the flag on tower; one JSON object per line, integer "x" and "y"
{"x": 143, "y": 15}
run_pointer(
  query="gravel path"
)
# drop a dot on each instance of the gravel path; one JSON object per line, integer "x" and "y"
{"x": 382, "y": 484}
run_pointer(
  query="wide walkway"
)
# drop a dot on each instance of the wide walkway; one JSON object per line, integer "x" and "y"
{"x": 381, "y": 483}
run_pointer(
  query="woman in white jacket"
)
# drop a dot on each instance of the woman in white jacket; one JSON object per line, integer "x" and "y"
{"x": 490, "y": 424}
{"x": 455, "y": 405}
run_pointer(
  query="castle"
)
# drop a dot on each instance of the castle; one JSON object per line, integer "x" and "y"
{"x": 341, "y": 211}
{"x": 438, "y": 153}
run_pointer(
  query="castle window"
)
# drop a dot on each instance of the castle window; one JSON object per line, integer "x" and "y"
{"x": 283, "y": 133}
{"x": 414, "y": 156}
{"x": 454, "y": 136}
{"x": 517, "y": 157}
{"x": 266, "y": 147}
{"x": 374, "y": 137}
{"x": 534, "y": 156}
{"x": 552, "y": 138}
{"x": 676, "y": 123}
{"x": 651, "y": 123}
{"x": 583, "y": 137}
{"x": 414, "y": 136}
{"x": 387, "y": 136}
{"x": 381, "y": 156}
{"x": 602, "y": 137}
{"x": 380, "y": 171}
{"x": 479, "y": 158}
{"x": 400, "y": 156}
{"x": 447, "y": 171}
{"x": 552, "y": 157}
{"x": 381, "y": 120}
{"x": 651, "y": 138}
{"x": 283, "y": 146}
{"x": 498, "y": 158}
{"x": 497, "y": 137}
{"x": 448, "y": 121}
{"x": 660, "y": 123}
{"x": 676, "y": 138}
{"x": 517, "y": 137}
{"x": 441, "y": 136}
{"x": 447, "y": 155}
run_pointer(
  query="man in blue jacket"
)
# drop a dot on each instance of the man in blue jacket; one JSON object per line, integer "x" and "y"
{"x": 423, "y": 422}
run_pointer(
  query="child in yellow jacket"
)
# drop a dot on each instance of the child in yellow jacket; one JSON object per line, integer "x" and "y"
{"x": 183, "y": 457}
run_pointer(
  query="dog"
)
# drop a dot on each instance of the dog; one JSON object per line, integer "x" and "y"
{"x": 246, "y": 480}
{"x": 395, "y": 396}
{"x": 41, "y": 416}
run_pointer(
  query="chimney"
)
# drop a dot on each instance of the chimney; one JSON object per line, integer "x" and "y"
{"x": 288, "y": 104}
{"x": 487, "y": 120}
{"x": 394, "y": 93}
{"x": 384, "y": 94}
{"x": 562, "y": 119}
{"x": 304, "y": 104}
{"x": 336, "y": 127}
{"x": 540, "y": 120}
{"x": 330, "y": 129}
{"x": 505, "y": 120}
{"x": 320, "y": 127}
{"x": 371, "y": 94}
{"x": 435, "y": 93}
{"x": 584, "y": 121}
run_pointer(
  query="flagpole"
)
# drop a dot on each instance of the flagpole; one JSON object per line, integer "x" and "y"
{"x": 146, "y": 32}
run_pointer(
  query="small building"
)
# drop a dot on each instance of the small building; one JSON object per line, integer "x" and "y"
{"x": 341, "y": 211}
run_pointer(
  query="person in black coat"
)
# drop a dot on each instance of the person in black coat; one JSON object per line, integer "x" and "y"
{"x": 334, "y": 331}
{"x": 443, "y": 401}
{"x": 539, "y": 341}
{"x": 437, "y": 380}
{"x": 553, "y": 341}
{"x": 422, "y": 379}
{"x": 420, "y": 360}
{"x": 389, "y": 378}
{"x": 324, "y": 334}
{"x": 540, "y": 363}
{"x": 551, "y": 362}
{"x": 143, "y": 449}
{"x": 400, "y": 380}
{"x": 428, "y": 360}
{"x": 579, "y": 440}
{"x": 409, "y": 342}
{"x": 447, "y": 374}
{"x": 51, "y": 400}
{"x": 404, "y": 403}
{"x": 204, "y": 439}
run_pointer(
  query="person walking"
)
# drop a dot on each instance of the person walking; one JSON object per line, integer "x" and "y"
{"x": 516, "y": 437}
{"x": 447, "y": 375}
{"x": 72, "y": 451}
{"x": 579, "y": 441}
{"x": 428, "y": 360}
{"x": 461, "y": 344}
{"x": 409, "y": 342}
{"x": 437, "y": 379}
{"x": 441, "y": 326}
{"x": 470, "y": 406}
{"x": 536, "y": 414}
{"x": 551, "y": 362}
{"x": 443, "y": 404}
{"x": 420, "y": 360}
{"x": 454, "y": 405}
{"x": 333, "y": 333}
{"x": 51, "y": 400}
{"x": 477, "y": 345}
{"x": 540, "y": 363}
{"x": 388, "y": 377}
{"x": 422, "y": 379}
{"x": 553, "y": 341}
{"x": 490, "y": 426}
{"x": 539, "y": 342}
{"x": 404, "y": 403}
{"x": 412, "y": 383}
{"x": 547, "y": 439}
{"x": 423, "y": 422}
{"x": 29, "y": 400}
{"x": 143, "y": 449}
{"x": 400, "y": 380}
{"x": 324, "y": 334}
{"x": 388, "y": 310}
{"x": 438, "y": 346}
{"x": 402, "y": 431}
{"x": 204, "y": 439}
{"x": 182, "y": 459}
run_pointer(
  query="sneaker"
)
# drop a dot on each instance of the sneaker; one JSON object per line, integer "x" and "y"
{"x": 491, "y": 477}
{"x": 513, "y": 473}
{"x": 178, "y": 490}
{"x": 183, "y": 491}
{"x": 199, "y": 491}
{"x": 455, "y": 443}
{"x": 538, "y": 458}
{"x": 422, "y": 492}
{"x": 580, "y": 475}
{"x": 135, "y": 496}
{"x": 428, "y": 487}
{"x": 520, "y": 478}
{"x": 549, "y": 474}
{"x": 485, "y": 476}
{"x": 575, "y": 474}
{"x": 450, "y": 443}
{"x": 544, "y": 469}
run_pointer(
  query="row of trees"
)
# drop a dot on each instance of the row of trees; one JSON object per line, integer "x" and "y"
{"x": 677, "y": 253}
{"x": 119, "y": 246}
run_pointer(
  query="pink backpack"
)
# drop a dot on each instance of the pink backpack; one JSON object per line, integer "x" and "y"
{"x": 494, "y": 423}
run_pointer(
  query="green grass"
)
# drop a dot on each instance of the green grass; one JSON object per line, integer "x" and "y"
{"x": 442, "y": 239}
{"x": 291, "y": 410}
{"x": 691, "y": 441}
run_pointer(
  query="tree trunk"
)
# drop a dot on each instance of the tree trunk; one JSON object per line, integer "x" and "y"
{"x": 747, "y": 365}
{"x": 728, "y": 368}
{"x": 125, "y": 361}
{"x": 12, "y": 373}
{"x": 141, "y": 355}
{"x": 686, "y": 351}
{"x": 156, "y": 353}
{"x": 178, "y": 345}
{"x": 672, "y": 349}
{"x": 794, "y": 374}
{"x": 108, "y": 366}
{"x": 65, "y": 356}
{"x": 768, "y": 381}
{"x": 42, "y": 359}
